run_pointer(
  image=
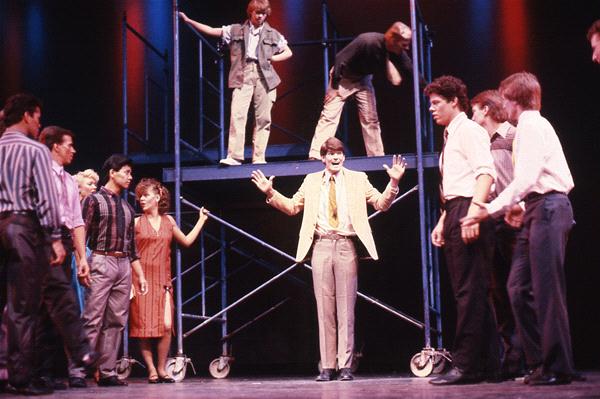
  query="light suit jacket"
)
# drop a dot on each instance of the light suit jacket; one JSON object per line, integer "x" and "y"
{"x": 359, "y": 192}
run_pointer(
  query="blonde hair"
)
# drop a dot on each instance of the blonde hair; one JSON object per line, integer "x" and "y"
{"x": 86, "y": 174}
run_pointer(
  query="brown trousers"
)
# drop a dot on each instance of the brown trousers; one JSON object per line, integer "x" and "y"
{"x": 334, "y": 270}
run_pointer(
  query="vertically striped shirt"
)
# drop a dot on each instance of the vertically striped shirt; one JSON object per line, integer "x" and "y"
{"x": 502, "y": 148}
{"x": 26, "y": 182}
{"x": 109, "y": 223}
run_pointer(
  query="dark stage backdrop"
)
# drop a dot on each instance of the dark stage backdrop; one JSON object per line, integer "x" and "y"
{"x": 68, "y": 53}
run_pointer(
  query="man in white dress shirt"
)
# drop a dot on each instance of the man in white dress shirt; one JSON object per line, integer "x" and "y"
{"x": 467, "y": 170}
{"x": 536, "y": 284}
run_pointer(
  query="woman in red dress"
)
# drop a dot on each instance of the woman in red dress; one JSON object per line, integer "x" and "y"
{"x": 151, "y": 315}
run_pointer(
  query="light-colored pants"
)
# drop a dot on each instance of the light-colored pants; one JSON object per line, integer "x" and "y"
{"x": 255, "y": 89}
{"x": 364, "y": 94}
{"x": 334, "y": 270}
{"x": 106, "y": 309}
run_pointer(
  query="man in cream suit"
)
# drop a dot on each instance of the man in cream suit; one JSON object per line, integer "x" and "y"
{"x": 335, "y": 214}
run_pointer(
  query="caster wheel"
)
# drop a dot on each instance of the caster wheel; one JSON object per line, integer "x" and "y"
{"x": 123, "y": 368}
{"x": 219, "y": 369}
{"x": 176, "y": 368}
{"x": 421, "y": 365}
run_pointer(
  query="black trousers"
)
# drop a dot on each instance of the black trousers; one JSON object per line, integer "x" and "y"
{"x": 504, "y": 243}
{"x": 24, "y": 263}
{"x": 476, "y": 342}
{"x": 59, "y": 323}
{"x": 536, "y": 284}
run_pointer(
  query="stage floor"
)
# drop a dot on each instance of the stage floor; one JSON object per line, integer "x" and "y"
{"x": 363, "y": 387}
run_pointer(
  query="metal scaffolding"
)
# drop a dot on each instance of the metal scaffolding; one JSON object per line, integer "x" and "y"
{"x": 433, "y": 357}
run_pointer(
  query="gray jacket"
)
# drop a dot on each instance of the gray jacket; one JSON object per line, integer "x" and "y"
{"x": 266, "y": 48}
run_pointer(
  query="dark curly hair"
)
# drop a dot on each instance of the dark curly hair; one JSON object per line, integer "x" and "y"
{"x": 152, "y": 184}
{"x": 449, "y": 87}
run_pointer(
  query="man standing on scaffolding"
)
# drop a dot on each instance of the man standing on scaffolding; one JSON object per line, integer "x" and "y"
{"x": 334, "y": 202}
{"x": 253, "y": 46}
{"x": 352, "y": 76}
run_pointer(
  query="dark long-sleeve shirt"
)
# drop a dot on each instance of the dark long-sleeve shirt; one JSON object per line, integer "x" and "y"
{"x": 109, "y": 223}
{"x": 365, "y": 55}
{"x": 26, "y": 182}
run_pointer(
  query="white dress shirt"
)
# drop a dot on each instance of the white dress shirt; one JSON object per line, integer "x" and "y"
{"x": 345, "y": 225}
{"x": 540, "y": 164}
{"x": 466, "y": 156}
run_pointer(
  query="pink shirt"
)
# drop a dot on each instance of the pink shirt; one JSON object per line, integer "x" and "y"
{"x": 68, "y": 197}
{"x": 540, "y": 164}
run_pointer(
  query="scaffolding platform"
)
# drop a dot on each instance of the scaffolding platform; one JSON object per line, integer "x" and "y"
{"x": 289, "y": 168}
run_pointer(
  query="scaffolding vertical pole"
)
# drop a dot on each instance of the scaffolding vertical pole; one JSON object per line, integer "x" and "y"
{"x": 325, "y": 38}
{"x": 176, "y": 149}
{"x": 222, "y": 108}
{"x": 420, "y": 172}
{"x": 200, "y": 97}
{"x": 166, "y": 105}
{"x": 223, "y": 281}
{"x": 124, "y": 82}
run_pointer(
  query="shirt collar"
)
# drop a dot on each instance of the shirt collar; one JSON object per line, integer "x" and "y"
{"x": 458, "y": 119}
{"x": 58, "y": 169}
{"x": 327, "y": 175}
{"x": 503, "y": 129}
{"x": 107, "y": 191}
{"x": 528, "y": 115}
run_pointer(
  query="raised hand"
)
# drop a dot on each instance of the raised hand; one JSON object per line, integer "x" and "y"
{"x": 260, "y": 180}
{"x": 203, "y": 214}
{"x": 397, "y": 170}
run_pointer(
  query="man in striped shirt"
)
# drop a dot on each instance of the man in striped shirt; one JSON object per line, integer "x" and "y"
{"x": 489, "y": 113}
{"x": 109, "y": 223}
{"x": 29, "y": 232}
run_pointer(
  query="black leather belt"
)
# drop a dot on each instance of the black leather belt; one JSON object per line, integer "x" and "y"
{"x": 534, "y": 196}
{"x": 116, "y": 254}
{"x": 5, "y": 214}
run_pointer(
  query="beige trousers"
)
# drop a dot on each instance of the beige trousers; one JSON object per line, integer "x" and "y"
{"x": 334, "y": 270}
{"x": 364, "y": 94}
{"x": 106, "y": 310}
{"x": 254, "y": 89}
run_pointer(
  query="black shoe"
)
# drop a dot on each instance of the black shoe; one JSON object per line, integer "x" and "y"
{"x": 51, "y": 383}
{"x": 326, "y": 375}
{"x": 77, "y": 382}
{"x": 346, "y": 374}
{"x": 33, "y": 390}
{"x": 166, "y": 380}
{"x": 549, "y": 379}
{"x": 111, "y": 381}
{"x": 455, "y": 377}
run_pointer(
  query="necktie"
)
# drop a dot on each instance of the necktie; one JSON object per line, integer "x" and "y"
{"x": 333, "y": 215}
{"x": 442, "y": 198}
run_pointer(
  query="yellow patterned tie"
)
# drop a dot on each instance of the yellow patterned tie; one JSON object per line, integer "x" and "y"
{"x": 333, "y": 215}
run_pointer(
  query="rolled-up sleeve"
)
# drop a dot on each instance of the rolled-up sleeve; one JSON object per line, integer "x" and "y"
{"x": 476, "y": 144}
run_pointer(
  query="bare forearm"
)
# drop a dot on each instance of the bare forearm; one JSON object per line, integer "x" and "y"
{"x": 284, "y": 55}
{"x": 482, "y": 188}
{"x": 136, "y": 266}
{"x": 392, "y": 73}
{"x": 78, "y": 234}
{"x": 203, "y": 28}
